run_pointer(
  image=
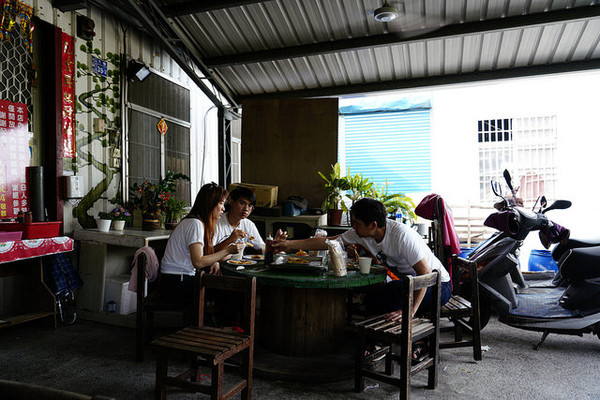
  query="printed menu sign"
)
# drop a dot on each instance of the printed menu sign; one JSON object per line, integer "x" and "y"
{"x": 14, "y": 158}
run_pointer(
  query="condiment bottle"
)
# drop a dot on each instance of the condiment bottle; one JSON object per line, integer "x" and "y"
{"x": 269, "y": 250}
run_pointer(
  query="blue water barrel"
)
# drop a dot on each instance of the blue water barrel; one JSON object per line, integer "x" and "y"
{"x": 465, "y": 251}
{"x": 541, "y": 260}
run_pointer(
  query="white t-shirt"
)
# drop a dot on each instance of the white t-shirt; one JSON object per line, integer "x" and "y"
{"x": 224, "y": 229}
{"x": 402, "y": 246}
{"x": 177, "y": 258}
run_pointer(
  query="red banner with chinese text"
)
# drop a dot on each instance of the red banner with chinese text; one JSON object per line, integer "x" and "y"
{"x": 14, "y": 140}
{"x": 68, "y": 96}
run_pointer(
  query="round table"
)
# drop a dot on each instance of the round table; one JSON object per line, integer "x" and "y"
{"x": 303, "y": 314}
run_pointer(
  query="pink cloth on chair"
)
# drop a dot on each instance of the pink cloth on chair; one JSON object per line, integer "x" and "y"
{"x": 151, "y": 266}
{"x": 427, "y": 209}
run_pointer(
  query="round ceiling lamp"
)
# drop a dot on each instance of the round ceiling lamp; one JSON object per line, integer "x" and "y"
{"x": 385, "y": 13}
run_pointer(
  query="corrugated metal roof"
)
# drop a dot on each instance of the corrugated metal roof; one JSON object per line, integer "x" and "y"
{"x": 325, "y": 47}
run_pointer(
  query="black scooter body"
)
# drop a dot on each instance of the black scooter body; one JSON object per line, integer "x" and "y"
{"x": 568, "y": 305}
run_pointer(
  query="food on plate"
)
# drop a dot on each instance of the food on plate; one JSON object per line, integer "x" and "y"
{"x": 295, "y": 260}
{"x": 301, "y": 253}
{"x": 256, "y": 257}
{"x": 240, "y": 262}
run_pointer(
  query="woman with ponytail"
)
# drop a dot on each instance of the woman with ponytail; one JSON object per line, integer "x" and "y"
{"x": 190, "y": 247}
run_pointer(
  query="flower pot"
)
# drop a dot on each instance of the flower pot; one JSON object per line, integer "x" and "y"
{"x": 118, "y": 225}
{"x": 170, "y": 225}
{"x": 150, "y": 222}
{"x": 103, "y": 224}
{"x": 334, "y": 217}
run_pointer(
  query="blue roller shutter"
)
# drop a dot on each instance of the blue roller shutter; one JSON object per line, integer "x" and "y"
{"x": 390, "y": 145}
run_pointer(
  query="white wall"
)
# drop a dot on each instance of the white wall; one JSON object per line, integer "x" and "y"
{"x": 571, "y": 97}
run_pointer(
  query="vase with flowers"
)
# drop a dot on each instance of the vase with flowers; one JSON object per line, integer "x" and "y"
{"x": 152, "y": 198}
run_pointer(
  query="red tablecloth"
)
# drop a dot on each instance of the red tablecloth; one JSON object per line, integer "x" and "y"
{"x": 22, "y": 249}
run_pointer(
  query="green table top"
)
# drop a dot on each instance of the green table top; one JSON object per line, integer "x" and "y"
{"x": 305, "y": 280}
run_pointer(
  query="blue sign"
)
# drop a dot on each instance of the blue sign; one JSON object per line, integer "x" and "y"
{"x": 99, "y": 66}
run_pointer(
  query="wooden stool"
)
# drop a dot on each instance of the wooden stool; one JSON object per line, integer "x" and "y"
{"x": 210, "y": 347}
{"x": 404, "y": 334}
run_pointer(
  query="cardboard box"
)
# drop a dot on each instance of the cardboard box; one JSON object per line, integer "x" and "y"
{"x": 266, "y": 195}
{"x": 116, "y": 289}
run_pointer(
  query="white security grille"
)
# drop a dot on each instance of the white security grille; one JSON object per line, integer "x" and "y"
{"x": 524, "y": 146}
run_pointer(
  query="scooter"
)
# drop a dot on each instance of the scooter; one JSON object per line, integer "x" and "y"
{"x": 569, "y": 304}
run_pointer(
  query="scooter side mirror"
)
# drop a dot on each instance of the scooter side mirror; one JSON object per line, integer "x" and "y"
{"x": 543, "y": 202}
{"x": 508, "y": 179}
{"x": 558, "y": 205}
{"x": 496, "y": 188}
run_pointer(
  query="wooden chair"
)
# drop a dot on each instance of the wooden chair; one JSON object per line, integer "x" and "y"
{"x": 463, "y": 313}
{"x": 149, "y": 304}
{"x": 209, "y": 346}
{"x": 404, "y": 334}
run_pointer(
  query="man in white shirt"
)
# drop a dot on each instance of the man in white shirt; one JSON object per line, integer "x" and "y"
{"x": 234, "y": 225}
{"x": 397, "y": 246}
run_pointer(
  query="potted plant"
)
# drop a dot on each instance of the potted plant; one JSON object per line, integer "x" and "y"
{"x": 103, "y": 222}
{"x": 394, "y": 202}
{"x": 359, "y": 187}
{"x": 174, "y": 211}
{"x": 335, "y": 184}
{"x": 119, "y": 216}
{"x": 151, "y": 198}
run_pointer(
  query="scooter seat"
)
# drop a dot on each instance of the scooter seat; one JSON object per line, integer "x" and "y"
{"x": 580, "y": 264}
{"x": 573, "y": 243}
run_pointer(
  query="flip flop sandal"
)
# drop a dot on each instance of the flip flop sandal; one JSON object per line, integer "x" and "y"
{"x": 420, "y": 352}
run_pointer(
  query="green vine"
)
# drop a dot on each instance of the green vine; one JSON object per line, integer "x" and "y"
{"x": 106, "y": 95}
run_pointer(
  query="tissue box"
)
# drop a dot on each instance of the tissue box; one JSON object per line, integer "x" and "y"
{"x": 116, "y": 289}
{"x": 266, "y": 195}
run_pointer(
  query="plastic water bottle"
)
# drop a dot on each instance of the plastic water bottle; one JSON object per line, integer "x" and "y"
{"x": 399, "y": 215}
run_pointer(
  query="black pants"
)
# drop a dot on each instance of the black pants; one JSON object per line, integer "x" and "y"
{"x": 389, "y": 297}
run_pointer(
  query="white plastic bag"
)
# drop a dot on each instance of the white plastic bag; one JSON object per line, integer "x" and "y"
{"x": 318, "y": 253}
{"x": 337, "y": 256}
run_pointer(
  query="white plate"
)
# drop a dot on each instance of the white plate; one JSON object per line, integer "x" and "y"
{"x": 244, "y": 263}
{"x": 254, "y": 257}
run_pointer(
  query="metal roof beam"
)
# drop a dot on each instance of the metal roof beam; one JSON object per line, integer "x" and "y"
{"x": 469, "y": 28}
{"x": 433, "y": 81}
{"x": 198, "y": 6}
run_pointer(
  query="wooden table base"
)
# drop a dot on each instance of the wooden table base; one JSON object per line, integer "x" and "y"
{"x": 302, "y": 322}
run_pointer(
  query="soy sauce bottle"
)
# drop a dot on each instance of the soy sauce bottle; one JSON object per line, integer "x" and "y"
{"x": 269, "y": 250}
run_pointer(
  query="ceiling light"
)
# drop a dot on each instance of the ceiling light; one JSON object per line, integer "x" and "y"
{"x": 386, "y": 13}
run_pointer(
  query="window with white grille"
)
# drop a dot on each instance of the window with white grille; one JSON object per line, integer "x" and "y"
{"x": 524, "y": 146}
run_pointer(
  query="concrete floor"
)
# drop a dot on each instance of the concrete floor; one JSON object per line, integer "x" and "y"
{"x": 94, "y": 358}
